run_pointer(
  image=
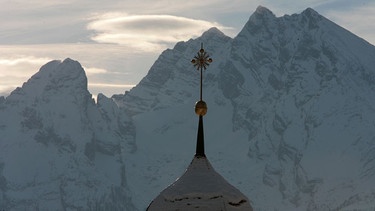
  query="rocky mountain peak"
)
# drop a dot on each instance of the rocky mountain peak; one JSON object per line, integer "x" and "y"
{"x": 262, "y": 14}
{"x": 311, "y": 13}
{"x": 67, "y": 74}
{"x": 261, "y": 10}
{"x": 213, "y": 32}
{"x": 59, "y": 78}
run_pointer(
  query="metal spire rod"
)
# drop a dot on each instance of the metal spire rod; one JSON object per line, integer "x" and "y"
{"x": 201, "y": 84}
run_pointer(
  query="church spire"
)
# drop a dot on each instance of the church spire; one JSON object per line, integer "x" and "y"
{"x": 200, "y": 187}
{"x": 201, "y": 61}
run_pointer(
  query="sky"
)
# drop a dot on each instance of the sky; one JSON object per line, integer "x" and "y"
{"x": 117, "y": 41}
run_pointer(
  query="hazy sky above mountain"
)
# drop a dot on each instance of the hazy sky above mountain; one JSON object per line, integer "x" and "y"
{"x": 118, "y": 41}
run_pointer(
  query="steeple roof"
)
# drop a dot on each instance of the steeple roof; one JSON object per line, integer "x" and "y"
{"x": 200, "y": 187}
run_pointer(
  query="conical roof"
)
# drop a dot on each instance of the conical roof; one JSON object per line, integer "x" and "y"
{"x": 200, "y": 187}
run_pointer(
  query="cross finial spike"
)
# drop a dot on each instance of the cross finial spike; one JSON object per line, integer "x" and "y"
{"x": 201, "y": 61}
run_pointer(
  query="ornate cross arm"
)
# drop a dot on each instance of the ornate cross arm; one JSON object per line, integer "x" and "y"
{"x": 202, "y": 60}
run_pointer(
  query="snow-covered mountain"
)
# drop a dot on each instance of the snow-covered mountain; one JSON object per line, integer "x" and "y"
{"x": 290, "y": 123}
{"x": 60, "y": 150}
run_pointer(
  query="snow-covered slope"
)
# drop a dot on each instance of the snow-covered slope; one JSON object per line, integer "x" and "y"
{"x": 290, "y": 123}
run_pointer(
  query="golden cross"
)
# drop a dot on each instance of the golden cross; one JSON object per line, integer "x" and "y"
{"x": 201, "y": 61}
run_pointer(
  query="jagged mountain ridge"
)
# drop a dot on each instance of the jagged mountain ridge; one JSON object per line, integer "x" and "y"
{"x": 289, "y": 123}
{"x": 299, "y": 87}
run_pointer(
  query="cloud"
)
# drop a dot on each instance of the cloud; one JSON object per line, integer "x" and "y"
{"x": 147, "y": 32}
{"x": 111, "y": 85}
{"x": 93, "y": 70}
{"x": 23, "y": 60}
{"x": 108, "y": 89}
{"x": 16, "y": 69}
{"x": 6, "y": 88}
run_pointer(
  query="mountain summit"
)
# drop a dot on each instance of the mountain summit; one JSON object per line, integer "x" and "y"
{"x": 291, "y": 119}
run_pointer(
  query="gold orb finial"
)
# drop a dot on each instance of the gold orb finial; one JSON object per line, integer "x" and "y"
{"x": 201, "y": 108}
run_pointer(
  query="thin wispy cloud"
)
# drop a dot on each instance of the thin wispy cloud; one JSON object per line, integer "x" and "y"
{"x": 7, "y": 85}
{"x": 16, "y": 69}
{"x": 108, "y": 89}
{"x": 93, "y": 70}
{"x": 22, "y": 59}
{"x": 111, "y": 85}
{"x": 147, "y": 32}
